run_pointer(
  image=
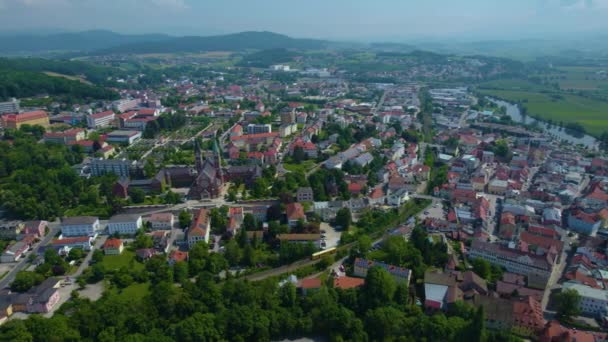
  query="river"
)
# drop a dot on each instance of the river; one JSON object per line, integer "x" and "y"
{"x": 554, "y": 131}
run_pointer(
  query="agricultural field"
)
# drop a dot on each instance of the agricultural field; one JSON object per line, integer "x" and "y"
{"x": 582, "y": 78}
{"x": 552, "y": 105}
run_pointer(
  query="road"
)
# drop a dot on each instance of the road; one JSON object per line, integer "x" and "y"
{"x": 23, "y": 263}
{"x": 379, "y": 104}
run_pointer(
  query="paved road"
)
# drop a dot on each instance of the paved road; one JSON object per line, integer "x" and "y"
{"x": 23, "y": 263}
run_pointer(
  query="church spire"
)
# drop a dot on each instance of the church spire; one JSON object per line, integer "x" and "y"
{"x": 218, "y": 160}
{"x": 198, "y": 156}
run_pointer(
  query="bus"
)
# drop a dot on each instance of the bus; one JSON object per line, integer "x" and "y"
{"x": 320, "y": 254}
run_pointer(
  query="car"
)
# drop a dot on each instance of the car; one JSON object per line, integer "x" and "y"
{"x": 323, "y": 231}
{"x": 323, "y": 236}
{"x": 341, "y": 268}
{"x": 426, "y": 212}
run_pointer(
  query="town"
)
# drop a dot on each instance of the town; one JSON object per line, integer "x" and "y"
{"x": 310, "y": 175}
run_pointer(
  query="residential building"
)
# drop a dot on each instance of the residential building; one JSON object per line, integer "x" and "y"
{"x": 100, "y": 120}
{"x": 10, "y": 229}
{"x": 295, "y": 213}
{"x": 14, "y": 251}
{"x": 66, "y": 137}
{"x": 513, "y": 260}
{"x": 119, "y": 167}
{"x": 400, "y": 274}
{"x": 125, "y": 104}
{"x": 305, "y": 195}
{"x": 593, "y": 301}
{"x": 35, "y": 228}
{"x": 161, "y": 221}
{"x": 11, "y": 106}
{"x": 200, "y": 228}
{"x": 113, "y": 247}
{"x": 259, "y": 128}
{"x": 80, "y": 226}
{"x": 15, "y": 121}
{"x": 498, "y": 187}
{"x": 177, "y": 256}
{"x": 583, "y": 222}
{"x": 123, "y": 137}
{"x": 124, "y": 224}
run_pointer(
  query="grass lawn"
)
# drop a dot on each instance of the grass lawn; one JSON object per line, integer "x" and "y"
{"x": 303, "y": 167}
{"x": 135, "y": 291}
{"x": 126, "y": 259}
{"x": 592, "y": 114}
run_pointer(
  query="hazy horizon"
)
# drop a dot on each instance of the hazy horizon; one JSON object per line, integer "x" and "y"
{"x": 354, "y": 20}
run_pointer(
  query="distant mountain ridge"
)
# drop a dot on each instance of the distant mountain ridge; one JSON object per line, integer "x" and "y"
{"x": 106, "y": 42}
{"x": 229, "y": 42}
{"x": 78, "y": 41}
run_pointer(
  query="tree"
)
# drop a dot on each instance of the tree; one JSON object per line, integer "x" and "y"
{"x": 137, "y": 195}
{"x": 344, "y": 218}
{"x": 299, "y": 155}
{"x": 25, "y": 280}
{"x": 75, "y": 254}
{"x": 185, "y": 219}
{"x": 567, "y": 303}
{"x": 379, "y": 288}
{"x": 249, "y": 222}
{"x": 482, "y": 268}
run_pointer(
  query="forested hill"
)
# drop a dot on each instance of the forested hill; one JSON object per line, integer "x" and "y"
{"x": 77, "y": 41}
{"x": 229, "y": 42}
{"x": 24, "y": 77}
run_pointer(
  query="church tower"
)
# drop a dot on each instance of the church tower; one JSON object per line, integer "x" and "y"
{"x": 218, "y": 161}
{"x": 198, "y": 156}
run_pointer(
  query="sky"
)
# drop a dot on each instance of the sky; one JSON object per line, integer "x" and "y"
{"x": 356, "y": 20}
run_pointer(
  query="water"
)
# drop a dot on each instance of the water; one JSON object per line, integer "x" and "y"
{"x": 556, "y": 132}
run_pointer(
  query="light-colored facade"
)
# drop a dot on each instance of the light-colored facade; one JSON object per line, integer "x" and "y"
{"x": 123, "y": 137}
{"x": 103, "y": 119}
{"x": 259, "y": 128}
{"x": 593, "y": 301}
{"x": 11, "y": 106}
{"x": 162, "y": 221}
{"x": 80, "y": 226}
{"x": 124, "y": 224}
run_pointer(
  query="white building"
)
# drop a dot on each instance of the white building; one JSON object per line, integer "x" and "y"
{"x": 103, "y": 119}
{"x": 162, "y": 221}
{"x": 125, "y": 104}
{"x": 79, "y": 226}
{"x": 123, "y": 137}
{"x": 513, "y": 260}
{"x": 124, "y": 224}
{"x": 593, "y": 301}
{"x": 11, "y": 106}
{"x": 259, "y": 128}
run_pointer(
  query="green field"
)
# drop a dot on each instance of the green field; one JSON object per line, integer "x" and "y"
{"x": 552, "y": 105}
{"x": 126, "y": 259}
{"x": 581, "y": 78}
{"x": 303, "y": 167}
{"x": 135, "y": 291}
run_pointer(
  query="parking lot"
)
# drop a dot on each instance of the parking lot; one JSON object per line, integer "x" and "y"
{"x": 434, "y": 211}
{"x": 332, "y": 237}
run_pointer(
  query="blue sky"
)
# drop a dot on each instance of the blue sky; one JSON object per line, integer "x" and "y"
{"x": 331, "y": 19}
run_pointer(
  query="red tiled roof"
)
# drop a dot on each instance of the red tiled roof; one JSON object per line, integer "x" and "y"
{"x": 112, "y": 243}
{"x": 295, "y": 211}
{"x": 312, "y": 283}
{"x": 102, "y": 114}
{"x": 38, "y": 114}
{"x": 348, "y": 282}
{"x": 178, "y": 256}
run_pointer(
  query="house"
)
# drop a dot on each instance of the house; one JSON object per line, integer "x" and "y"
{"x": 583, "y": 222}
{"x": 376, "y": 197}
{"x": 555, "y": 332}
{"x": 161, "y": 221}
{"x": 14, "y": 252}
{"x": 113, "y": 247}
{"x": 310, "y": 284}
{"x": 44, "y": 297}
{"x": 9, "y": 230}
{"x": 498, "y": 187}
{"x": 305, "y": 195}
{"x": 177, "y": 256}
{"x": 80, "y": 226}
{"x": 144, "y": 254}
{"x": 400, "y": 274}
{"x": 200, "y": 228}
{"x": 35, "y": 228}
{"x": 398, "y": 197}
{"x": 6, "y": 306}
{"x": 124, "y": 224}
{"x": 295, "y": 213}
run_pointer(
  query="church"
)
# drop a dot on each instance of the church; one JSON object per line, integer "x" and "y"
{"x": 209, "y": 175}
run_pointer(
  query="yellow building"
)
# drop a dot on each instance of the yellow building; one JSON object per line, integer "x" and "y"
{"x": 15, "y": 121}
